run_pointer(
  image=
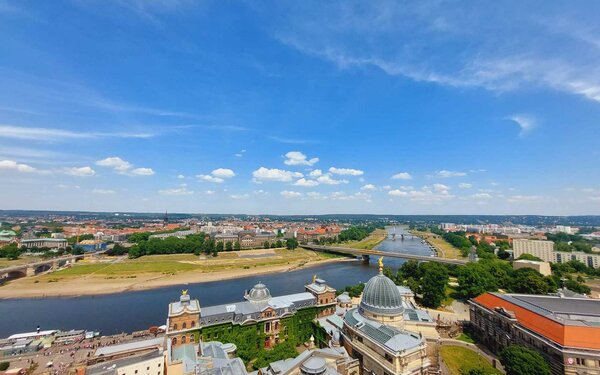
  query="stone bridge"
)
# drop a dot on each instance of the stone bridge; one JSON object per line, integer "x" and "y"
{"x": 367, "y": 253}
{"x": 31, "y": 269}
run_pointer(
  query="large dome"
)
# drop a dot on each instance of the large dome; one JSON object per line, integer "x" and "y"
{"x": 259, "y": 293}
{"x": 381, "y": 296}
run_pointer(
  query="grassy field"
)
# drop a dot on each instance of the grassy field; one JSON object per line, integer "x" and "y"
{"x": 445, "y": 249}
{"x": 176, "y": 263}
{"x": 368, "y": 243}
{"x": 466, "y": 338}
{"x": 460, "y": 360}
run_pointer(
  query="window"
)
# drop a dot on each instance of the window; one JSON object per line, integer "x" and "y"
{"x": 174, "y": 341}
{"x": 184, "y": 325}
{"x": 148, "y": 368}
{"x": 193, "y": 323}
{"x": 183, "y": 339}
{"x": 175, "y": 327}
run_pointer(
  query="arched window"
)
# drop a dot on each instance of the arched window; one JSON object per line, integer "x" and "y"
{"x": 175, "y": 327}
{"x": 193, "y": 323}
{"x": 174, "y": 341}
{"x": 183, "y": 339}
{"x": 192, "y": 338}
{"x": 184, "y": 325}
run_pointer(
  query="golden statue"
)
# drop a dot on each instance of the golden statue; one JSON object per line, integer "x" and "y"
{"x": 184, "y": 292}
{"x": 314, "y": 278}
{"x": 381, "y": 262}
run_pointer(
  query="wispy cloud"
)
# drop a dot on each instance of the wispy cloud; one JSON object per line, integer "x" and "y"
{"x": 525, "y": 122}
{"x": 291, "y": 141}
{"x": 54, "y": 134}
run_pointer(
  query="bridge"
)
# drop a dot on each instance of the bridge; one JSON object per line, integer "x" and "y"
{"x": 35, "y": 268}
{"x": 367, "y": 253}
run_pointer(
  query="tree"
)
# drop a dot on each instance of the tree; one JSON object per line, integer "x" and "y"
{"x": 219, "y": 247}
{"x": 267, "y": 245}
{"x": 237, "y": 246}
{"x": 291, "y": 243}
{"x": 529, "y": 281}
{"x": 279, "y": 243}
{"x": 433, "y": 284}
{"x": 474, "y": 279}
{"x": 519, "y": 360}
{"x": 4, "y": 366}
{"x": 10, "y": 251}
{"x": 228, "y": 246}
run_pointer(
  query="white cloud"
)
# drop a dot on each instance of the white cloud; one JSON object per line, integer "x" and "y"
{"x": 298, "y": 158}
{"x": 274, "y": 174}
{"x": 49, "y": 134}
{"x": 398, "y": 193}
{"x": 315, "y": 173}
{"x": 209, "y": 192}
{"x": 440, "y": 187}
{"x": 327, "y": 180}
{"x": 594, "y": 198}
{"x": 368, "y": 187}
{"x": 314, "y": 195}
{"x": 241, "y": 153}
{"x": 525, "y": 122}
{"x": 290, "y": 194}
{"x": 103, "y": 191}
{"x": 124, "y": 167}
{"x": 209, "y": 178}
{"x": 142, "y": 172}
{"x": 223, "y": 173}
{"x": 386, "y": 187}
{"x": 80, "y": 172}
{"x": 346, "y": 171}
{"x": 115, "y": 162}
{"x": 523, "y": 198}
{"x": 402, "y": 176}
{"x": 176, "y": 191}
{"x": 481, "y": 196}
{"x": 464, "y": 185}
{"x": 239, "y": 196}
{"x": 447, "y": 174}
{"x": 180, "y": 176}
{"x": 342, "y": 196}
{"x": 13, "y": 165}
{"x": 306, "y": 183}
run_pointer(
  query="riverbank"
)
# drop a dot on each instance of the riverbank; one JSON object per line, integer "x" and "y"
{"x": 374, "y": 239}
{"x": 443, "y": 248}
{"x": 117, "y": 276}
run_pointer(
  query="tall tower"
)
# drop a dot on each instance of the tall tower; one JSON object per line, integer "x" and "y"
{"x": 165, "y": 220}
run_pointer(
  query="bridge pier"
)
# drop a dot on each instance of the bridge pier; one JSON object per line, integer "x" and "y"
{"x": 30, "y": 271}
{"x": 365, "y": 258}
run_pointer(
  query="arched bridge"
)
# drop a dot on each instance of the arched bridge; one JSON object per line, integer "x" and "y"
{"x": 31, "y": 269}
{"x": 367, "y": 253}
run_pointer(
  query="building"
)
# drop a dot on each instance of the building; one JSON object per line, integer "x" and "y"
{"x": 152, "y": 363}
{"x": 589, "y": 259}
{"x": 328, "y": 361}
{"x": 92, "y": 245}
{"x": 279, "y": 318}
{"x": 374, "y": 332}
{"x": 541, "y": 267}
{"x": 565, "y": 331}
{"x": 541, "y": 249}
{"x": 52, "y": 243}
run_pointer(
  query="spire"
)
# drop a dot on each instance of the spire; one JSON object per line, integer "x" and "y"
{"x": 381, "y": 265}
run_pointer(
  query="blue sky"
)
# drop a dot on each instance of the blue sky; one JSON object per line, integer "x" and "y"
{"x": 441, "y": 107}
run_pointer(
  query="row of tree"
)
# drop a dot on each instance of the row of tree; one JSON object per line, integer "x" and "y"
{"x": 354, "y": 233}
{"x": 12, "y": 251}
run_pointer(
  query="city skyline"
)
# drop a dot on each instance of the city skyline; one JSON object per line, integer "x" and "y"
{"x": 309, "y": 108}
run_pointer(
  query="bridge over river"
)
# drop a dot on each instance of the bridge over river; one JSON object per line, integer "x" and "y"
{"x": 30, "y": 269}
{"x": 367, "y": 253}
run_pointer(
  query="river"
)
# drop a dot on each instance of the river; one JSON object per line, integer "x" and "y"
{"x": 134, "y": 311}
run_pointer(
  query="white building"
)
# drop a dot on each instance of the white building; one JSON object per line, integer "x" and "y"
{"x": 590, "y": 260}
{"x": 541, "y": 249}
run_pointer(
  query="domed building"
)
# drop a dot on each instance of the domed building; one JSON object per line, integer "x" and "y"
{"x": 374, "y": 332}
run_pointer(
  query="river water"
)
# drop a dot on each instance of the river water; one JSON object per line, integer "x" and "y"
{"x": 133, "y": 311}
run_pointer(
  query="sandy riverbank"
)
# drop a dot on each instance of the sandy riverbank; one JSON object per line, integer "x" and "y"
{"x": 96, "y": 285}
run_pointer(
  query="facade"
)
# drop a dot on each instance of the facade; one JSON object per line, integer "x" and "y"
{"x": 53, "y": 243}
{"x": 564, "y": 330}
{"x": 247, "y": 239}
{"x": 374, "y": 332}
{"x": 541, "y": 267}
{"x": 589, "y": 259}
{"x": 279, "y": 318}
{"x": 541, "y": 249}
{"x": 92, "y": 245}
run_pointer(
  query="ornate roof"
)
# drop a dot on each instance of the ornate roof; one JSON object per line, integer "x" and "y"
{"x": 381, "y": 296}
{"x": 259, "y": 293}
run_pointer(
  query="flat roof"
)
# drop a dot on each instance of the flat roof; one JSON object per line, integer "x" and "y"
{"x": 129, "y": 346}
